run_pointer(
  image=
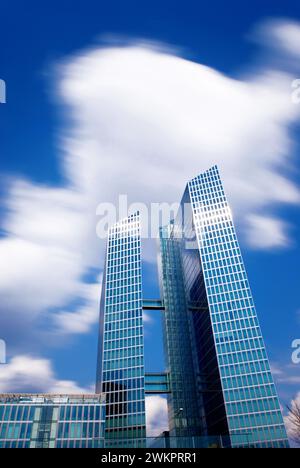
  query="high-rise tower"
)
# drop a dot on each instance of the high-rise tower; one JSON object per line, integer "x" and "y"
{"x": 205, "y": 283}
{"x": 120, "y": 371}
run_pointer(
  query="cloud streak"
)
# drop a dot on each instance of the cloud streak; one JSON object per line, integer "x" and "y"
{"x": 28, "y": 374}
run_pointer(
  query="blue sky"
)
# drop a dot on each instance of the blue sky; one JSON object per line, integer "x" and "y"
{"x": 58, "y": 60}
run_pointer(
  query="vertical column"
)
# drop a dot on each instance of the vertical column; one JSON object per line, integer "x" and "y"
{"x": 184, "y": 405}
{"x": 251, "y": 402}
{"x": 122, "y": 354}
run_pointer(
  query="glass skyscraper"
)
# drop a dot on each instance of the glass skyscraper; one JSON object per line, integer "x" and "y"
{"x": 217, "y": 379}
{"x": 184, "y": 407}
{"x": 52, "y": 421}
{"x": 207, "y": 295}
{"x": 120, "y": 372}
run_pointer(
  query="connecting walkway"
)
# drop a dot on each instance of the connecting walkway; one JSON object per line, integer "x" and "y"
{"x": 157, "y": 383}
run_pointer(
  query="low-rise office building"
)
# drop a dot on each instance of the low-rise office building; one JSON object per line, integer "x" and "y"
{"x": 52, "y": 421}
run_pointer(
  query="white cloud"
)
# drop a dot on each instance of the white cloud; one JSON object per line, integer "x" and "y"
{"x": 292, "y": 380}
{"x": 142, "y": 122}
{"x": 156, "y": 415}
{"x": 146, "y": 121}
{"x": 282, "y": 34}
{"x": 50, "y": 217}
{"x": 264, "y": 232}
{"x": 26, "y": 374}
{"x": 35, "y": 277}
{"x": 276, "y": 370}
{"x": 81, "y": 319}
{"x": 286, "y": 374}
{"x": 147, "y": 318}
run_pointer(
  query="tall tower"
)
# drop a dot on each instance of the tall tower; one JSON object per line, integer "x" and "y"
{"x": 204, "y": 284}
{"x": 185, "y": 408}
{"x": 120, "y": 370}
{"x": 218, "y": 378}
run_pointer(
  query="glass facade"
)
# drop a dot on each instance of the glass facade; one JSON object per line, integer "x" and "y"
{"x": 210, "y": 290}
{"x": 120, "y": 372}
{"x": 184, "y": 408}
{"x": 52, "y": 421}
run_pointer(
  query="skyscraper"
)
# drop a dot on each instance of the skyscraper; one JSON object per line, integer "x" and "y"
{"x": 120, "y": 372}
{"x": 204, "y": 281}
{"x": 217, "y": 377}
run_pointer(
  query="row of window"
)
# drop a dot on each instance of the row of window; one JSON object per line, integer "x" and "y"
{"x": 219, "y": 316}
{"x": 88, "y": 443}
{"x": 131, "y": 407}
{"x": 233, "y": 336}
{"x": 260, "y": 437}
{"x": 16, "y": 412}
{"x": 250, "y": 393}
{"x": 236, "y": 346}
{"x": 131, "y": 395}
{"x": 223, "y": 275}
{"x": 125, "y": 271}
{"x": 255, "y": 420}
{"x": 125, "y": 299}
{"x": 15, "y": 430}
{"x": 229, "y": 303}
{"x": 126, "y": 228}
{"x": 245, "y": 368}
{"x": 123, "y": 353}
{"x": 80, "y": 430}
{"x": 113, "y": 323}
{"x": 249, "y": 380}
{"x": 120, "y": 387}
{"x": 126, "y": 225}
{"x": 253, "y": 406}
{"x": 123, "y": 363}
{"x": 126, "y": 282}
{"x": 206, "y": 197}
{"x": 236, "y": 286}
{"x": 121, "y": 374}
{"x": 117, "y": 344}
{"x": 122, "y": 244}
{"x": 124, "y": 258}
{"x": 128, "y": 333}
{"x": 220, "y": 268}
{"x": 234, "y": 324}
{"x": 130, "y": 420}
{"x": 80, "y": 413}
{"x": 243, "y": 356}
{"x": 120, "y": 320}
{"x": 234, "y": 263}
{"x": 113, "y": 273}
{"x": 127, "y": 293}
